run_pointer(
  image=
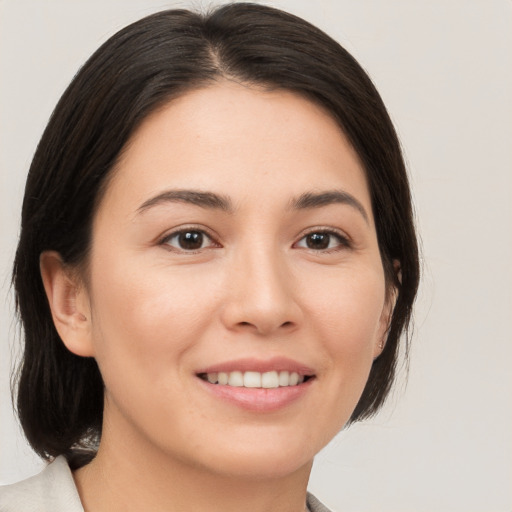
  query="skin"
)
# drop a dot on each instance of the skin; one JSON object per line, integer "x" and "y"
{"x": 153, "y": 313}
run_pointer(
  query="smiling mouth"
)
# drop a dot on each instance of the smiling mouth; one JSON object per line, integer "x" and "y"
{"x": 252, "y": 379}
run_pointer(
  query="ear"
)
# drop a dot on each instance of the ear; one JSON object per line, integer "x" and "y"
{"x": 387, "y": 312}
{"x": 69, "y": 304}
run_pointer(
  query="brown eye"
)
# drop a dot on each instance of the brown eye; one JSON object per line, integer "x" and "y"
{"x": 189, "y": 240}
{"x": 322, "y": 241}
{"x": 318, "y": 240}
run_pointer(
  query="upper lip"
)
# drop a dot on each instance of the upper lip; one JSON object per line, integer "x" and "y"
{"x": 259, "y": 365}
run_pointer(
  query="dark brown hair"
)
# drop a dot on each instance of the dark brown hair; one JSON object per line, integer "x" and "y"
{"x": 59, "y": 394}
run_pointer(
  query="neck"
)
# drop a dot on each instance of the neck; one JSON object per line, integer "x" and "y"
{"x": 126, "y": 476}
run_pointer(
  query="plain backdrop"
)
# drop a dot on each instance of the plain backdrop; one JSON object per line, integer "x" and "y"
{"x": 444, "y": 69}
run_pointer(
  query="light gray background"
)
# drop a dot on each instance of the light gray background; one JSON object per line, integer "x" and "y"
{"x": 444, "y": 69}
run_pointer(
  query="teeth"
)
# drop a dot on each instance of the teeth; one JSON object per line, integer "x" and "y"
{"x": 251, "y": 379}
{"x": 269, "y": 380}
{"x": 284, "y": 378}
{"x": 236, "y": 379}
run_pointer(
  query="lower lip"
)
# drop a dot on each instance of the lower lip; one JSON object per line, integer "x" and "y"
{"x": 259, "y": 399}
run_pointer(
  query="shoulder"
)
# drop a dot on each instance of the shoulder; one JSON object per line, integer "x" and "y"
{"x": 314, "y": 505}
{"x": 52, "y": 490}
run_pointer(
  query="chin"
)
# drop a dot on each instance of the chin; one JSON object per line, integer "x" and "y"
{"x": 269, "y": 457}
{"x": 262, "y": 466}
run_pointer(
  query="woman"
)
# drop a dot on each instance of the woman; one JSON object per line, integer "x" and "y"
{"x": 216, "y": 263}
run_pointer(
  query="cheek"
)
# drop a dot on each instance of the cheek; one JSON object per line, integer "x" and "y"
{"x": 348, "y": 307}
{"x": 345, "y": 307}
{"x": 348, "y": 313}
{"x": 145, "y": 315}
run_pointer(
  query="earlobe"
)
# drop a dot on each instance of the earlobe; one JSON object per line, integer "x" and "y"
{"x": 69, "y": 304}
{"x": 387, "y": 312}
{"x": 380, "y": 343}
{"x": 385, "y": 323}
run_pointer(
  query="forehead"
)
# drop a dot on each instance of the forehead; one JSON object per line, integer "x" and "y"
{"x": 238, "y": 140}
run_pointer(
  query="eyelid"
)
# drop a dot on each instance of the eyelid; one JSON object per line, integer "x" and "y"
{"x": 344, "y": 239}
{"x": 162, "y": 240}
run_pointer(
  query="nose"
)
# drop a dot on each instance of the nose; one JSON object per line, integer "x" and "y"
{"x": 261, "y": 294}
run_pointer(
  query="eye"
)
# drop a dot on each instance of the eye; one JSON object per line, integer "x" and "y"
{"x": 323, "y": 241}
{"x": 189, "y": 240}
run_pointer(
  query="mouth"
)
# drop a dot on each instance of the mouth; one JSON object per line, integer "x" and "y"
{"x": 255, "y": 379}
{"x": 257, "y": 385}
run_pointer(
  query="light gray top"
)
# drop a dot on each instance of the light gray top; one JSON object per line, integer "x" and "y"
{"x": 54, "y": 490}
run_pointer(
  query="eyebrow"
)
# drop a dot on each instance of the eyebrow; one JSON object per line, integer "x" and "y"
{"x": 207, "y": 200}
{"x": 319, "y": 199}
{"x": 211, "y": 200}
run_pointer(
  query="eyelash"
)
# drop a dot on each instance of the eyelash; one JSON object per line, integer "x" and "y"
{"x": 182, "y": 231}
{"x": 343, "y": 240}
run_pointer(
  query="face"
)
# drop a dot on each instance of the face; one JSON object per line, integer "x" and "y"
{"x": 236, "y": 293}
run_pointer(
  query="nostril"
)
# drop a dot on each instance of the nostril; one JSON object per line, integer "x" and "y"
{"x": 266, "y": 328}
